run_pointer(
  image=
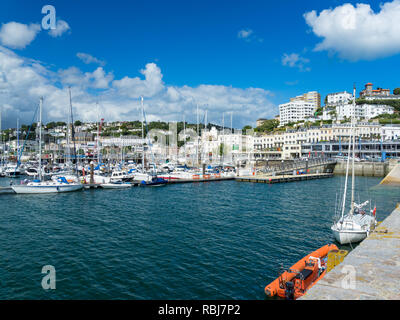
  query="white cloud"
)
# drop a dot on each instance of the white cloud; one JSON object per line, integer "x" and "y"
{"x": 294, "y": 60}
{"x": 98, "y": 79}
{"x": 61, "y": 27}
{"x": 248, "y": 35}
{"x": 18, "y": 35}
{"x": 23, "y": 81}
{"x": 88, "y": 59}
{"x": 358, "y": 33}
{"x": 245, "y": 33}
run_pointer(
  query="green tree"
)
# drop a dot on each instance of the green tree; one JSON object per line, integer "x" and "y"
{"x": 396, "y": 91}
{"x": 245, "y": 128}
{"x": 268, "y": 126}
{"x": 221, "y": 149}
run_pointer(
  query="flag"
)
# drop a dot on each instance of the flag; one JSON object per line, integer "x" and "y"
{"x": 374, "y": 211}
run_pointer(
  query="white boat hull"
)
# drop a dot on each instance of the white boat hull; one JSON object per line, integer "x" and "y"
{"x": 35, "y": 189}
{"x": 116, "y": 185}
{"x": 347, "y": 236}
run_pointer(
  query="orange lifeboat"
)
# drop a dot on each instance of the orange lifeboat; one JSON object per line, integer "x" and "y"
{"x": 294, "y": 282}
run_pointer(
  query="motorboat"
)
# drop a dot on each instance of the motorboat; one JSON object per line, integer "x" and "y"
{"x": 294, "y": 282}
{"x": 116, "y": 185}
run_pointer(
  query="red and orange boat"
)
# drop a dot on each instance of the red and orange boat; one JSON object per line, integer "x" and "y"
{"x": 294, "y": 282}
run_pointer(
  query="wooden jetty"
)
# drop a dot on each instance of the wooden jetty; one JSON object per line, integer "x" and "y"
{"x": 283, "y": 178}
{"x": 200, "y": 180}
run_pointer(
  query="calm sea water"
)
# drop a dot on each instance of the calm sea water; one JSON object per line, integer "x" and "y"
{"x": 221, "y": 240}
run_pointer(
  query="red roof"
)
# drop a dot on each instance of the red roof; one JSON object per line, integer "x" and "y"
{"x": 369, "y": 84}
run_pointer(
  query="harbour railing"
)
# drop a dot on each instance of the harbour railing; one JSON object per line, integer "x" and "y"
{"x": 298, "y": 165}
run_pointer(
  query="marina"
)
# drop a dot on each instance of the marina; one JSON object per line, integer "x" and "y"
{"x": 188, "y": 154}
{"x": 129, "y": 243}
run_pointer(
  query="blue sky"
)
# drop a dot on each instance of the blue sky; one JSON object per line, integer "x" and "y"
{"x": 223, "y": 44}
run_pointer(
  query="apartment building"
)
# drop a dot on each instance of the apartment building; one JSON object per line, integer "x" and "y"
{"x": 295, "y": 111}
{"x": 309, "y": 97}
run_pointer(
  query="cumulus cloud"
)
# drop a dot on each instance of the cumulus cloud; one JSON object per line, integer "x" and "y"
{"x": 61, "y": 27}
{"x": 23, "y": 81}
{"x": 358, "y": 33}
{"x": 18, "y": 35}
{"x": 294, "y": 60}
{"x": 248, "y": 35}
{"x": 88, "y": 59}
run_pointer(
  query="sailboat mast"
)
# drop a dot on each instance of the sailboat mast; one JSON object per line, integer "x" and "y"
{"x": 98, "y": 134}
{"x": 40, "y": 138}
{"x": 184, "y": 135}
{"x": 17, "y": 141}
{"x": 347, "y": 165}
{"x": 1, "y": 141}
{"x": 197, "y": 140}
{"x": 141, "y": 99}
{"x": 354, "y": 153}
{"x": 73, "y": 130}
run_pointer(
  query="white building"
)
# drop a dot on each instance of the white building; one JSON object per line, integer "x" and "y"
{"x": 334, "y": 99}
{"x": 362, "y": 111}
{"x": 295, "y": 111}
{"x": 374, "y": 110}
{"x": 390, "y": 132}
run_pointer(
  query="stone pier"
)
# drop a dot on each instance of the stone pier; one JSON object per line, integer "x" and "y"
{"x": 369, "y": 272}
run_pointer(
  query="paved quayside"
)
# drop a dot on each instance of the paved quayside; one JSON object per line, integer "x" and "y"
{"x": 376, "y": 262}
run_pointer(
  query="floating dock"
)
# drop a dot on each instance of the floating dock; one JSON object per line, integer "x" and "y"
{"x": 200, "y": 180}
{"x": 370, "y": 271}
{"x": 283, "y": 178}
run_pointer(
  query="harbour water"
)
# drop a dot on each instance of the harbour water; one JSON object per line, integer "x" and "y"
{"x": 220, "y": 240}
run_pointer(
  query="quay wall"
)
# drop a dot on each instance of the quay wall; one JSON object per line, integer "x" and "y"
{"x": 369, "y": 272}
{"x": 367, "y": 169}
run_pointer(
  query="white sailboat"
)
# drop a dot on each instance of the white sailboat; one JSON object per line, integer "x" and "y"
{"x": 39, "y": 186}
{"x": 354, "y": 226}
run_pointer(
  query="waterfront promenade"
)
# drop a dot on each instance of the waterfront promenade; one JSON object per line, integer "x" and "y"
{"x": 375, "y": 265}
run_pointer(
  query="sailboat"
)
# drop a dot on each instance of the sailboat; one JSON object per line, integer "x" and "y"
{"x": 356, "y": 225}
{"x": 39, "y": 186}
{"x": 146, "y": 178}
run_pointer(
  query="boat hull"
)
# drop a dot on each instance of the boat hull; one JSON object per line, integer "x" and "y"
{"x": 347, "y": 237}
{"x": 276, "y": 287}
{"x": 23, "y": 189}
{"x": 116, "y": 185}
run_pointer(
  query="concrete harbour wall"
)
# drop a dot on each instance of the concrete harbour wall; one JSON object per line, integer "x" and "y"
{"x": 369, "y": 272}
{"x": 367, "y": 169}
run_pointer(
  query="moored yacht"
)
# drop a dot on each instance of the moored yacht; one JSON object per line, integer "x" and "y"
{"x": 356, "y": 225}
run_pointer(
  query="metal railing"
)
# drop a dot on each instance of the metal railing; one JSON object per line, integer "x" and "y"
{"x": 298, "y": 164}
